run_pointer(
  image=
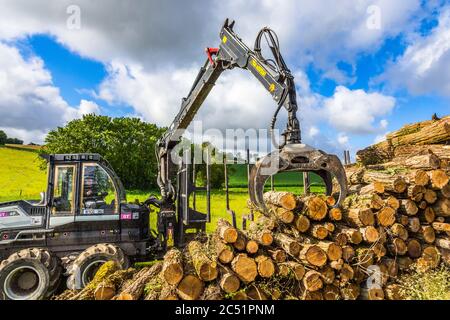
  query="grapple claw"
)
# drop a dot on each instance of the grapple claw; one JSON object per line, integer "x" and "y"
{"x": 297, "y": 157}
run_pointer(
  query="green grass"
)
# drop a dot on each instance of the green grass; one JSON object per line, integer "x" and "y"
{"x": 21, "y": 178}
{"x": 20, "y": 175}
{"x": 238, "y": 178}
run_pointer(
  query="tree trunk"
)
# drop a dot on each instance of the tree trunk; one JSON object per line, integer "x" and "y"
{"x": 262, "y": 236}
{"x": 266, "y": 267}
{"x": 302, "y": 223}
{"x": 328, "y": 275}
{"x": 442, "y": 208}
{"x": 414, "y": 248}
{"x": 398, "y": 247}
{"x": 428, "y": 215}
{"x": 375, "y": 293}
{"x": 245, "y": 268}
{"x": 205, "y": 268}
{"x": 333, "y": 251}
{"x": 316, "y": 209}
{"x": 105, "y": 291}
{"x": 312, "y": 281}
{"x": 252, "y": 247}
{"x": 348, "y": 253}
{"x": 386, "y": 216}
{"x": 427, "y": 234}
{"x": 291, "y": 246}
{"x": 281, "y": 214}
{"x": 225, "y": 252}
{"x": 360, "y": 217}
{"x": 168, "y": 292}
{"x": 350, "y": 291}
{"x": 241, "y": 242}
{"x": 286, "y": 269}
{"x": 421, "y": 178}
{"x": 413, "y": 224}
{"x": 335, "y": 214}
{"x": 443, "y": 243}
{"x": 212, "y": 292}
{"x": 313, "y": 255}
{"x": 439, "y": 179}
{"x": 408, "y": 207}
{"x": 278, "y": 255}
{"x": 226, "y": 231}
{"x": 430, "y": 196}
{"x": 353, "y": 235}
{"x": 190, "y": 287}
{"x": 416, "y": 192}
{"x": 440, "y": 226}
{"x": 369, "y": 234}
{"x": 400, "y": 231}
{"x": 318, "y": 231}
{"x": 281, "y": 199}
{"x": 331, "y": 292}
{"x": 172, "y": 270}
{"x": 229, "y": 283}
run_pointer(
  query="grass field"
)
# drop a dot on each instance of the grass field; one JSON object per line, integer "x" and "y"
{"x": 20, "y": 175}
{"x": 21, "y": 178}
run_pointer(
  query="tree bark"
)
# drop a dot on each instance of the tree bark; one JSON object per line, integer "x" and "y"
{"x": 281, "y": 199}
{"x": 172, "y": 270}
{"x": 226, "y": 231}
{"x": 291, "y": 246}
{"x": 204, "y": 267}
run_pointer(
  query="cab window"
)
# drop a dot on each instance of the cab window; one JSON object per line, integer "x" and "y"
{"x": 64, "y": 188}
{"x": 99, "y": 195}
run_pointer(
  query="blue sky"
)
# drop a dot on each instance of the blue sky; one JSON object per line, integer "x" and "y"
{"x": 362, "y": 68}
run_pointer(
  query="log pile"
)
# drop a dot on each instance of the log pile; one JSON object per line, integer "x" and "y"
{"x": 416, "y": 146}
{"x": 305, "y": 248}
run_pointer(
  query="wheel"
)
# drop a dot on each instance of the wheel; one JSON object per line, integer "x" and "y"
{"x": 83, "y": 269}
{"x": 30, "y": 274}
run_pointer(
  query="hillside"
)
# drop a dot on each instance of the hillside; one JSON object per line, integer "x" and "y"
{"x": 20, "y": 175}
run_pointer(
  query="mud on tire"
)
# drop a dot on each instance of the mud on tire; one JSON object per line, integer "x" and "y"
{"x": 82, "y": 270}
{"x": 29, "y": 274}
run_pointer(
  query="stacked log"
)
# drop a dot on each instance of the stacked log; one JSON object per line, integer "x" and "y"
{"x": 305, "y": 248}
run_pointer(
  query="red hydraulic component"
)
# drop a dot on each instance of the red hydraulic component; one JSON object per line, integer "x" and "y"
{"x": 210, "y": 52}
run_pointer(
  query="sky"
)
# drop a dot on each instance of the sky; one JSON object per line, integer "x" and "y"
{"x": 362, "y": 68}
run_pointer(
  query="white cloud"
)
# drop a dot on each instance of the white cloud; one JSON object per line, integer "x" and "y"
{"x": 30, "y": 105}
{"x": 323, "y": 32}
{"x": 343, "y": 138}
{"x": 355, "y": 111}
{"x": 313, "y": 131}
{"x": 424, "y": 68}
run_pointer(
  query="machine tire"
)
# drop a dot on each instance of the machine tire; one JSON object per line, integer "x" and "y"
{"x": 82, "y": 270}
{"x": 29, "y": 274}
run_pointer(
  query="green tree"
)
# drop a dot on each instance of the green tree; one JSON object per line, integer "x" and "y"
{"x": 3, "y": 137}
{"x": 127, "y": 143}
{"x": 217, "y": 174}
{"x": 14, "y": 141}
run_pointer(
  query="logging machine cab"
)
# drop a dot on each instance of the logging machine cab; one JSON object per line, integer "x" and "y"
{"x": 85, "y": 204}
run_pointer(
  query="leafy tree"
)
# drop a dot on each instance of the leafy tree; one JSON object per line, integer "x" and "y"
{"x": 14, "y": 141}
{"x": 217, "y": 174}
{"x": 128, "y": 144}
{"x": 3, "y": 137}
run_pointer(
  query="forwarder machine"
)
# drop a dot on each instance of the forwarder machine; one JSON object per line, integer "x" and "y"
{"x": 83, "y": 219}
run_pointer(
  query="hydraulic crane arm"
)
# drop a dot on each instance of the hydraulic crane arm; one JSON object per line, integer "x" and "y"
{"x": 277, "y": 79}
